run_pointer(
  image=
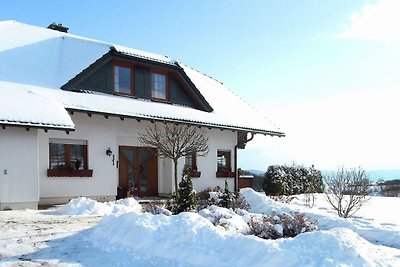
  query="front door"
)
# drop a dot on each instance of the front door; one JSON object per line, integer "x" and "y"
{"x": 137, "y": 172}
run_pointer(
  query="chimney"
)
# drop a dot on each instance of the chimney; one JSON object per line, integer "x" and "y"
{"x": 58, "y": 27}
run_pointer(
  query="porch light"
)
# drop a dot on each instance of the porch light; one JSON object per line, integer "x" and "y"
{"x": 109, "y": 152}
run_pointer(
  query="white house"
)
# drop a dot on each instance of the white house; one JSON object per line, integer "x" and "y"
{"x": 71, "y": 109}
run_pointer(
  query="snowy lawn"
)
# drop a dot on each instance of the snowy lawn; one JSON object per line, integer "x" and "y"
{"x": 88, "y": 233}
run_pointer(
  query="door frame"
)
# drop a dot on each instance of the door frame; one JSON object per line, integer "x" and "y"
{"x": 152, "y": 169}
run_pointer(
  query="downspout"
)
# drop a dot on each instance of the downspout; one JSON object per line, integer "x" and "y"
{"x": 236, "y": 181}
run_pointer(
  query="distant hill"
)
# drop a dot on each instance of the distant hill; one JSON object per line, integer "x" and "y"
{"x": 256, "y": 172}
{"x": 376, "y": 175}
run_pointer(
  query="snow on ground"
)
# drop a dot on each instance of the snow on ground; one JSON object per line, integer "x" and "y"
{"x": 87, "y": 206}
{"x": 119, "y": 234}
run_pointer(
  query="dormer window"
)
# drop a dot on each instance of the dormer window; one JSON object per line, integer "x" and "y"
{"x": 158, "y": 86}
{"x": 122, "y": 79}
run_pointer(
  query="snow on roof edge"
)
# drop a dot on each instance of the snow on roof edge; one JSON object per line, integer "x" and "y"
{"x": 27, "y": 124}
{"x": 177, "y": 120}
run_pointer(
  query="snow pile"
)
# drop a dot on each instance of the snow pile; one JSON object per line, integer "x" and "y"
{"x": 188, "y": 239}
{"x": 385, "y": 234}
{"x": 260, "y": 203}
{"x": 226, "y": 218}
{"x": 87, "y": 206}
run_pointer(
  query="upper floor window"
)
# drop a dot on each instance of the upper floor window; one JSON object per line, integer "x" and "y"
{"x": 122, "y": 79}
{"x": 158, "y": 86}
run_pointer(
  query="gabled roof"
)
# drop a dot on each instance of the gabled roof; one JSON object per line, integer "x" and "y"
{"x": 38, "y": 61}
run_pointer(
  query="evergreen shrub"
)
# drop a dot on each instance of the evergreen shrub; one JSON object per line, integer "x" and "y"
{"x": 292, "y": 180}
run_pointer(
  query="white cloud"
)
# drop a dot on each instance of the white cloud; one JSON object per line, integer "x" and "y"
{"x": 375, "y": 22}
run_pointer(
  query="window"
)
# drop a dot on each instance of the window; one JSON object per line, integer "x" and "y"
{"x": 158, "y": 86}
{"x": 68, "y": 158}
{"x": 223, "y": 160}
{"x": 191, "y": 163}
{"x": 122, "y": 80}
{"x": 224, "y": 164}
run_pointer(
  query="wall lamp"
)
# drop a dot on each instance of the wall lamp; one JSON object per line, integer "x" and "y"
{"x": 109, "y": 152}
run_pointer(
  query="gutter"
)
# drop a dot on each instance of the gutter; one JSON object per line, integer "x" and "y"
{"x": 236, "y": 181}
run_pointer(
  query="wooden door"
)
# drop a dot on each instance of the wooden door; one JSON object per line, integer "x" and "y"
{"x": 137, "y": 171}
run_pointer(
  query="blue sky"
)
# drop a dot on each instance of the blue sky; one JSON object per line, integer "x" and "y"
{"x": 327, "y": 72}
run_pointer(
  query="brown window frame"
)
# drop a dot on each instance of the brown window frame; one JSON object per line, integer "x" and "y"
{"x": 152, "y": 70}
{"x": 68, "y": 170}
{"x": 123, "y": 64}
{"x": 227, "y": 170}
{"x": 194, "y": 173}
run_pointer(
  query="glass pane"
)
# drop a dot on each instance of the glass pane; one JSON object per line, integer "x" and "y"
{"x": 158, "y": 85}
{"x": 189, "y": 161}
{"x": 222, "y": 162}
{"x": 130, "y": 157}
{"x": 122, "y": 80}
{"x": 57, "y": 156}
{"x": 77, "y": 157}
{"x": 143, "y": 170}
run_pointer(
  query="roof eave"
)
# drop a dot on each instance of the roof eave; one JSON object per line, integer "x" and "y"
{"x": 28, "y": 125}
{"x": 188, "y": 122}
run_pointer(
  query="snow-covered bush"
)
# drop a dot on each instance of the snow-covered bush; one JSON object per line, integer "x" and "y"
{"x": 227, "y": 218}
{"x": 275, "y": 226}
{"x": 227, "y": 197}
{"x": 292, "y": 180}
{"x": 221, "y": 198}
{"x": 154, "y": 209}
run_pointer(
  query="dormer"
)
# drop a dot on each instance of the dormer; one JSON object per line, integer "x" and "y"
{"x": 130, "y": 73}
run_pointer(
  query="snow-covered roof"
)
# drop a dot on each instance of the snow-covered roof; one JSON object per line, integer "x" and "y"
{"x": 25, "y": 105}
{"x": 142, "y": 54}
{"x": 34, "y": 60}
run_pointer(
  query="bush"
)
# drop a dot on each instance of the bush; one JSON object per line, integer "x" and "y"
{"x": 227, "y": 197}
{"x": 292, "y": 180}
{"x": 281, "y": 225}
{"x": 347, "y": 190}
{"x": 154, "y": 209}
{"x": 221, "y": 198}
{"x": 185, "y": 200}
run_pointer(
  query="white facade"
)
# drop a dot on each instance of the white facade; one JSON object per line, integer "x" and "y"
{"x": 100, "y": 134}
{"x": 19, "y": 163}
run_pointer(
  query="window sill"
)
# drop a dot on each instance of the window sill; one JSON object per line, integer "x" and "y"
{"x": 225, "y": 174}
{"x": 69, "y": 173}
{"x": 160, "y": 100}
{"x": 195, "y": 174}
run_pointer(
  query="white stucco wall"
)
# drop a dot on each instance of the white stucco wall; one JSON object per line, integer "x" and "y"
{"x": 102, "y": 133}
{"x": 19, "y": 183}
{"x": 218, "y": 140}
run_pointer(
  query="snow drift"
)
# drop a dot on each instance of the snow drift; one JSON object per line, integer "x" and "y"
{"x": 188, "y": 239}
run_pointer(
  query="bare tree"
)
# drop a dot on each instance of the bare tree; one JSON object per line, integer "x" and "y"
{"x": 347, "y": 190}
{"x": 175, "y": 141}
